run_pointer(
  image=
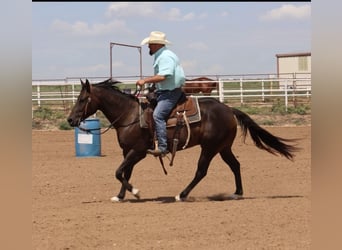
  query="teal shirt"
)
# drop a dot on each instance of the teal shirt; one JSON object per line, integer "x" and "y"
{"x": 166, "y": 63}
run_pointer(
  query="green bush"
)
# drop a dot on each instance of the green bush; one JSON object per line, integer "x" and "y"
{"x": 267, "y": 122}
{"x": 252, "y": 110}
{"x": 278, "y": 109}
{"x": 43, "y": 113}
{"x": 301, "y": 110}
{"x": 64, "y": 125}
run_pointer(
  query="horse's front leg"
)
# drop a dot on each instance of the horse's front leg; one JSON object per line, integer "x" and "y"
{"x": 127, "y": 172}
{"x": 124, "y": 172}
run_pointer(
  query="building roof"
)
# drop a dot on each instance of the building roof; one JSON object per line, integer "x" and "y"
{"x": 294, "y": 54}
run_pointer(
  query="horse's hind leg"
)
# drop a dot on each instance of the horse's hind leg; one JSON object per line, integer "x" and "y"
{"x": 229, "y": 158}
{"x": 202, "y": 169}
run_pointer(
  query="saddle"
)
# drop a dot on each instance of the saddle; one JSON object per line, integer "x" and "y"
{"x": 186, "y": 108}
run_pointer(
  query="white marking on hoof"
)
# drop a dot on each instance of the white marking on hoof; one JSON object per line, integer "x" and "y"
{"x": 235, "y": 197}
{"x": 136, "y": 193}
{"x": 178, "y": 198}
{"x": 115, "y": 199}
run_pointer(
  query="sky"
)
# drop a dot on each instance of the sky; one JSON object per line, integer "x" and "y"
{"x": 72, "y": 39}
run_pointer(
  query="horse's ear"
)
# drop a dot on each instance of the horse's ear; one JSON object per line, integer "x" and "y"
{"x": 87, "y": 85}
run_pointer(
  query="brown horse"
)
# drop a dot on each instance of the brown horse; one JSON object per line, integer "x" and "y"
{"x": 202, "y": 85}
{"x": 215, "y": 133}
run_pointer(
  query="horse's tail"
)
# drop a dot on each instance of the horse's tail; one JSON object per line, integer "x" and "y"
{"x": 264, "y": 139}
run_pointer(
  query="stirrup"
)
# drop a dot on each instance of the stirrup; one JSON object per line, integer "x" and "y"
{"x": 157, "y": 152}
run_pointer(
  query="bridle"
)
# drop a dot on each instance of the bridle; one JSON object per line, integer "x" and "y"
{"x": 110, "y": 125}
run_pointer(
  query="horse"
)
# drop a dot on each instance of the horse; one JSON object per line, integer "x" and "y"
{"x": 202, "y": 85}
{"x": 214, "y": 133}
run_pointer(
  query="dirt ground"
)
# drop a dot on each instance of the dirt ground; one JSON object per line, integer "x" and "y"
{"x": 71, "y": 206}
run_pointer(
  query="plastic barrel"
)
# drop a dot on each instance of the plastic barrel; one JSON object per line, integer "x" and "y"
{"x": 88, "y": 144}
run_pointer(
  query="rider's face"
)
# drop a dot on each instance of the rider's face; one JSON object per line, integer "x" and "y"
{"x": 153, "y": 48}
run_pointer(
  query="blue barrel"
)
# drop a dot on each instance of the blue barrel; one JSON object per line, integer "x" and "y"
{"x": 88, "y": 144}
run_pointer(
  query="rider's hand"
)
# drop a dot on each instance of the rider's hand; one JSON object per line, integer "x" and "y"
{"x": 140, "y": 82}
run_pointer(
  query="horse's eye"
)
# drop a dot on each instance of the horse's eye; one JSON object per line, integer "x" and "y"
{"x": 82, "y": 100}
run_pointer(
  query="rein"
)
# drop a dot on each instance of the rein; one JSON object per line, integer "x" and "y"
{"x": 110, "y": 125}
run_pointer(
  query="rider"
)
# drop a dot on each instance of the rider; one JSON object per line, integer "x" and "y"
{"x": 168, "y": 78}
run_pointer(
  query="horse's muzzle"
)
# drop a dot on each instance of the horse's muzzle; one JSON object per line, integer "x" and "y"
{"x": 72, "y": 122}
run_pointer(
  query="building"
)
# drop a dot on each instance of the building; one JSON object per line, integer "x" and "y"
{"x": 294, "y": 65}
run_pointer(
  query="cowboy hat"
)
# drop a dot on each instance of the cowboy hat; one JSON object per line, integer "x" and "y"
{"x": 155, "y": 37}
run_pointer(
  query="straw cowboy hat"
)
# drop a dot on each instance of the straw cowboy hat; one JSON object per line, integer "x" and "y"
{"x": 155, "y": 37}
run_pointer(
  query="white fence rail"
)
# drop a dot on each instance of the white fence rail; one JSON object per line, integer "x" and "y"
{"x": 242, "y": 89}
{"x": 285, "y": 88}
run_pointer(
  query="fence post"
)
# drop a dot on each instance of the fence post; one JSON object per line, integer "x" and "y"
{"x": 241, "y": 91}
{"x": 262, "y": 90}
{"x": 285, "y": 95}
{"x": 294, "y": 90}
{"x": 73, "y": 92}
{"x": 38, "y": 94}
{"x": 221, "y": 95}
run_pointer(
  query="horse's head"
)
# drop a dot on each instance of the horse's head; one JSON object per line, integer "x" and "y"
{"x": 84, "y": 107}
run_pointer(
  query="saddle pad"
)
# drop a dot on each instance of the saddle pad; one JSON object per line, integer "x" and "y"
{"x": 191, "y": 109}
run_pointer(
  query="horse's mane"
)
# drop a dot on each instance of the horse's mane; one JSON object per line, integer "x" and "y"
{"x": 110, "y": 84}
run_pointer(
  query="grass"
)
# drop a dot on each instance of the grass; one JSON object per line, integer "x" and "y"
{"x": 48, "y": 117}
{"x": 276, "y": 108}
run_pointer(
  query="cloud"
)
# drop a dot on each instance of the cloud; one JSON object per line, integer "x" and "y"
{"x": 117, "y": 64}
{"x": 125, "y": 9}
{"x": 148, "y": 10}
{"x": 288, "y": 11}
{"x": 189, "y": 65}
{"x": 198, "y": 46}
{"x": 88, "y": 70}
{"x": 96, "y": 68}
{"x": 81, "y": 28}
{"x": 174, "y": 14}
{"x": 214, "y": 69}
{"x": 118, "y": 11}
{"x": 224, "y": 13}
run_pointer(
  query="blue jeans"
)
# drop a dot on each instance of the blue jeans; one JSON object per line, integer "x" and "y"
{"x": 166, "y": 101}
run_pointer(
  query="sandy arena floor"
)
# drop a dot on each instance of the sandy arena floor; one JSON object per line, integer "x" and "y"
{"x": 71, "y": 206}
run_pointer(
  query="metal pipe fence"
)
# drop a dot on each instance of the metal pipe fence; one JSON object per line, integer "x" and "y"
{"x": 63, "y": 93}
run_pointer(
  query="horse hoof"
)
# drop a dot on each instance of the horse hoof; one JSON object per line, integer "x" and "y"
{"x": 136, "y": 193}
{"x": 235, "y": 197}
{"x": 115, "y": 199}
{"x": 178, "y": 198}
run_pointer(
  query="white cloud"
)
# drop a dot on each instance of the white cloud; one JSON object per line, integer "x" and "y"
{"x": 175, "y": 14}
{"x": 117, "y": 64}
{"x": 193, "y": 67}
{"x": 189, "y": 16}
{"x": 202, "y": 15}
{"x": 198, "y": 46}
{"x": 224, "y": 13}
{"x": 90, "y": 70}
{"x": 96, "y": 68}
{"x": 85, "y": 29}
{"x": 124, "y": 9}
{"x": 189, "y": 65}
{"x": 148, "y": 9}
{"x": 214, "y": 69}
{"x": 200, "y": 27}
{"x": 288, "y": 11}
